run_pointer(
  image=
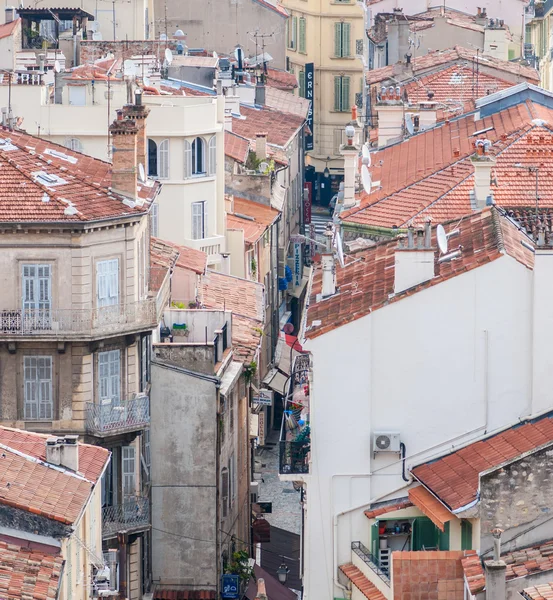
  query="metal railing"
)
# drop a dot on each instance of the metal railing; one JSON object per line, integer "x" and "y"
{"x": 294, "y": 457}
{"x": 111, "y": 417}
{"x": 370, "y": 560}
{"x": 133, "y": 514}
{"x": 61, "y": 321}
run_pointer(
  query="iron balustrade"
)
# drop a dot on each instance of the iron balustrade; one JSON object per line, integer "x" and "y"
{"x": 370, "y": 560}
{"x": 294, "y": 457}
{"x": 114, "y": 416}
{"x": 133, "y": 514}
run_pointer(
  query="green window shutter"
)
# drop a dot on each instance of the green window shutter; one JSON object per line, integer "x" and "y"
{"x": 301, "y": 78}
{"x": 337, "y": 93}
{"x": 375, "y": 539}
{"x": 301, "y": 46}
{"x": 288, "y": 33}
{"x": 443, "y": 538}
{"x": 466, "y": 535}
{"x": 295, "y": 33}
{"x": 346, "y": 46}
{"x": 338, "y": 39}
{"x": 424, "y": 534}
{"x": 345, "y": 94}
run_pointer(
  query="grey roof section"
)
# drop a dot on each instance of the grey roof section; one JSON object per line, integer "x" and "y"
{"x": 513, "y": 96}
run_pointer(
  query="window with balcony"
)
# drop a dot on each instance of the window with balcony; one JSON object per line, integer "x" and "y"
{"x": 109, "y": 377}
{"x": 342, "y": 40}
{"x": 37, "y": 285}
{"x": 107, "y": 282}
{"x": 199, "y": 220}
{"x": 158, "y": 159}
{"x": 341, "y": 94}
{"x": 37, "y": 380}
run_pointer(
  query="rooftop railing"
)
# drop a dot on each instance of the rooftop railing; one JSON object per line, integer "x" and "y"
{"x": 370, "y": 560}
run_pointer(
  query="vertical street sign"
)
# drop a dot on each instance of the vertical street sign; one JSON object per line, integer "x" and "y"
{"x": 309, "y": 94}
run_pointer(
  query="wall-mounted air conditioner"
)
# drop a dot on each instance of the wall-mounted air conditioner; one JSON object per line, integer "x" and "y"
{"x": 386, "y": 441}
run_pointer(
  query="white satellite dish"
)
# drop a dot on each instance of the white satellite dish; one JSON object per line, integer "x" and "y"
{"x": 146, "y": 80}
{"x": 339, "y": 249}
{"x": 129, "y": 68}
{"x": 168, "y": 56}
{"x": 366, "y": 179}
{"x": 366, "y": 155}
{"x": 409, "y": 124}
{"x": 57, "y": 66}
{"x": 141, "y": 173}
{"x": 441, "y": 237}
{"x": 215, "y": 55}
{"x": 263, "y": 167}
{"x": 163, "y": 37}
{"x": 179, "y": 33}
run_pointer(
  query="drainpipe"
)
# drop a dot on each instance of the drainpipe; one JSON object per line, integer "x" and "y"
{"x": 123, "y": 539}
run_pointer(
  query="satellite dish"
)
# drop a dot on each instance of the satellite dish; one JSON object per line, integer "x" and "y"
{"x": 129, "y": 68}
{"x": 338, "y": 244}
{"x": 366, "y": 179}
{"x": 288, "y": 328}
{"x": 168, "y": 56}
{"x": 441, "y": 236}
{"x": 366, "y": 155}
{"x": 163, "y": 37}
{"x": 97, "y": 36}
{"x": 141, "y": 173}
{"x": 57, "y": 66}
{"x": 179, "y": 33}
{"x": 409, "y": 124}
{"x": 215, "y": 55}
{"x": 263, "y": 167}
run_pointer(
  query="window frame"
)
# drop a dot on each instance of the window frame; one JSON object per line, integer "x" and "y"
{"x": 37, "y": 286}
{"x": 198, "y": 163}
{"x": 339, "y": 104}
{"x": 111, "y": 381}
{"x": 71, "y": 142}
{"x": 38, "y": 381}
{"x": 161, "y": 157}
{"x": 111, "y": 281}
{"x": 342, "y": 39}
{"x": 302, "y": 40}
{"x": 203, "y": 217}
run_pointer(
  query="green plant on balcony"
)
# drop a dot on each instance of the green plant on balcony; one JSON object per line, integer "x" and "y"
{"x": 250, "y": 370}
{"x": 177, "y": 304}
{"x": 253, "y": 267}
{"x": 239, "y": 565}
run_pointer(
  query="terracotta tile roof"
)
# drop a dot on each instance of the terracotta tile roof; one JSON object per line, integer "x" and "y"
{"x": 182, "y": 257}
{"x": 437, "y": 180}
{"x": 539, "y": 592}
{"x": 163, "y": 257}
{"x": 430, "y": 506}
{"x": 28, "y": 574}
{"x": 7, "y": 29}
{"x": 281, "y": 127}
{"x": 166, "y": 594}
{"x": 368, "y": 589}
{"x": 97, "y": 70}
{"x": 45, "y": 182}
{"x": 382, "y": 510}
{"x": 455, "y": 54}
{"x": 236, "y": 147}
{"x": 428, "y": 574}
{"x": 520, "y": 563}
{"x": 368, "y": 283}
{"x": 281, "y": 80}
{"x": 286, "y": 102}
{"x": 264, "y": 217}
{"x": 92, "y": 459}
{"x": 451, "y": 16}
{"x": 455, "y": 477}
{"x": 275, "y": 6}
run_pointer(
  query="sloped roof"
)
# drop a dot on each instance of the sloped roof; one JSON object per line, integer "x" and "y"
{"x": 367, "y": 282}
{"x": 263, "y": 217}
{"x": 281, "y": 79}
{"x": 539, "y": 592}
{"x": 367, "y": 588}
{"x": 279, "y": 126}
{"x": 455, "y": 478}
{"x": 376, "y": 510}
{"x": 236, "y": 147}
{"x": 28, "y": 574}
{"x": 430, "y": 506}
{"x": 45, "y": 182}
{"x": 286, "y": 102}
{"x": 6, "y": 29}
{"x": 171, "y": 254}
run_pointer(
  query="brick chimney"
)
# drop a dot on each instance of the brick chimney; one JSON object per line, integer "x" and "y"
{"x": 261, "y": 590}
{"x": 63, "y": 452}
{"x": 261, "y": 145}
{"x": 482, "y": 162}
{"x": 138, "y": 113}
{"x": 124, "y": 133}
{"x": 390, "y": 112}
{"x": 414, "y": 259}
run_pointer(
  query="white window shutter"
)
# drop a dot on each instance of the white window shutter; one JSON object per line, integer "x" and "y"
{"x": 187, "y": 159}
{"x": 204, "y": 220}
{"x": 212, "y": 160}
{"x": 197, "y": 217}
{"x": 154, "y": 220}
{"x": 113, "y": 281}
{"x": 163, "y": 159}
{"x": 129, "y": 472}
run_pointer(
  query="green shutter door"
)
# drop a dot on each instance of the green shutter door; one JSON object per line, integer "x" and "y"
{"x": 466, "y": 535}
{"x": 288, "y": 33}
{"x": 338, "y": 39}
{"x": 301, "y": 78}
{"x": 346, "y": 27}
{"x": 301, "y": 47}
{"x": 295, "y": 33}
{"x": 345, "y": 94}
{"x": 443, "y": 538}
{"x": 337, "y": 93}
{"x": 424, "y": 534}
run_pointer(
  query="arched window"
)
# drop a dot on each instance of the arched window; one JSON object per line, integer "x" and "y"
{"x": 198, "y": 156}
{"x": 212, "y": 155}
{"x": 158, "y": 159}
{"x": 152, "y": 158}
{"x": 74, "y": 144}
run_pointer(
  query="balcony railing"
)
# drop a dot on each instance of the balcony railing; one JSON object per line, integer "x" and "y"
{"x": 294, "y": 457}
{"x": 112, "y": 417}
{"x": 118, "y": 318}
{"x": 132, "y": 515}
{"x": 372, "y": 562}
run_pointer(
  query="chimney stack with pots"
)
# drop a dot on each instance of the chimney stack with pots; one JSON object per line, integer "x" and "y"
{"x": 138, "y": 113}
{"x": 350, "y": 152}
{"x": 390, "y": 111}
{"x": 124, "y": 134}
{"x": 482, "y": 162}
{"x": 414, "y": 259}
{"x": 63, "y": 452}
{"x": 261, "y": 146}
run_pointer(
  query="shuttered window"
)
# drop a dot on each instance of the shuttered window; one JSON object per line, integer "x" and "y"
{"x": 37, "y": 379}
{"x": 163, "y": 159}
{"x": 37, "y": 285}
{"x": 212, "y": 155}
{"x": 302, "y": 41}
{"x": 152, "y": 158}
{"x": 301, "y": 78}
{"x": 109, "y": 376}
{"x": 292, "y": 34}
{"x": 107, "y": 282}
{"x": 342, "y": 35}
{"x": 198, "y": 156}
{"x": 225, "y": 491}
{"x": 199, "y": 227}
{"x": 187, "y": 159}
{"x": 154, "y": 219}
{"x": 74, "y": 144}
{"x": 341, "y": 94}
{"x": 129, "y": 472}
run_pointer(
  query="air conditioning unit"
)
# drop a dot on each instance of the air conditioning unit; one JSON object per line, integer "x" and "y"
{"x": 254, "y": 491}
{"x": 386, "y": 441}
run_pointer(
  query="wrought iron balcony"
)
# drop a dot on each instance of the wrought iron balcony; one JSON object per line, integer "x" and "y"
{"x": 132, "y": 516}
{"x": 113, "y": 417}
{"x": 294, "y": 457}
{"x": 371, "y": 561}
{"x": 74, "y": 323}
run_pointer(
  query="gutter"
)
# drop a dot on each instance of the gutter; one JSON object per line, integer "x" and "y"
{"x": 212, "y": 378}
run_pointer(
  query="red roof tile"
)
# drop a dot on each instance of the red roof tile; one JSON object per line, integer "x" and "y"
{"x": 430, "y": 506}
{"x": 455, "y": 478}
{"x": 368, "y": 589}
{"x": 76, "y": 187}
{"x": 382, "y": 510}
{"x": 236, "y": 147}
{"x": 281, "y": 127}
{"x": 280, "y": 79}
{"x": 183, "y": 257}
{"x": 7, "y": 28}
{"x": 367, "y": 283}
{"x": 28, "y": 574}
{"x": 539, "y": 592}
{"x": 263, "y": 217}
{"x": 167, "y": 594}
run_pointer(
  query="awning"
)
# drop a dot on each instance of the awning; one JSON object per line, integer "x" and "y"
{"x": 296, "y": 292}
{"x": 254, "y": 425}
{"x": 230, "y": 377}
{"x": 430, "y": 506}
{"x": 276, "y": 381}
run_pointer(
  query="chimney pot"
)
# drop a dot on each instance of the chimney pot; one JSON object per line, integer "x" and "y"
{"x": 119, "y": 115}
{"x": 70, "y": 452}
{"x": 354, "y": 113}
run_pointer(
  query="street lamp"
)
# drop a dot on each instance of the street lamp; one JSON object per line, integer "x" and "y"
{"x": 282, "y": 573}
{"x": 326, "y": 171}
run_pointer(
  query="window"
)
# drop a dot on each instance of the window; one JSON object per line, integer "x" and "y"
{"x": 77, "y": 95}
{"x": 212, "y": 155}
{"x": 198, "y": 156}
{"x": 341, "y": 94}
{"x": 37, "y": 379}
{"x": 292, "y": 32}
{"x": 302, "y": 45}
{"x": 147, "y": 452}
{"x": 154, "y": 219}
{"x": 342, "y": 40}
{"x": 107, "y": 282}
{"x": 144, "y": 362}
{"x": 109, "y": 377}
{"x": 301, "y": 77}
{"x": 232, "y": 399}
{"x": 129, "y": 472}
{"x": 466, "y": 535}
{"x": 37, "y": 285}
{"x": 158, "y": 159}
{"x": 199, "y": 223}
{"x": 225, "y": 491}
{"x": 232, "y": 478}
{"x": 74, "y": 144}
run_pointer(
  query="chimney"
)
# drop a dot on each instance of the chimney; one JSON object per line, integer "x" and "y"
{"x": 261, "y": 146}
{"x": 10, "y": 14}
{"x": 414, "y": 259}
{"x": 398, "y": 37}
{"x": 232, "y": 101}
{"x": 260, "y": 93}
{"x": 228, "y": 120}
{"x": 496, "y": 571}
{"x": 481, "y": 17}
{"x": 138, "y": 113}
{"x": 327, "y": 262}
{"x": 261, "y": 590}
{"x": 63, "y": 452}
{"x": 124, "y": 133}
{"x": 350, "y": 152}
{"x": 483, "y": 163}
{"x": 390, "y": 114}
{"x": 225, "y": 263}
